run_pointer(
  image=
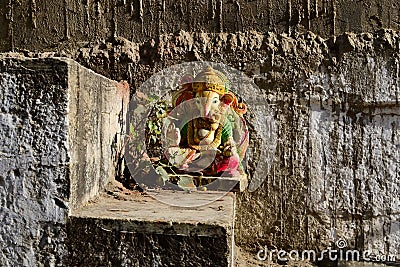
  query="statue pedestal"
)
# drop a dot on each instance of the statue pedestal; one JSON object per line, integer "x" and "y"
{"x": 234, "y": 184}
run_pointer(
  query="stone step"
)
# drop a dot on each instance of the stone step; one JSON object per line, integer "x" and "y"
{"x": 160, "y": 228}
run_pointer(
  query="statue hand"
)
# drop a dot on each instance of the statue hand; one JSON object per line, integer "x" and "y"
{"x": 173, "y": 135}
{"x": 229, "y": 149}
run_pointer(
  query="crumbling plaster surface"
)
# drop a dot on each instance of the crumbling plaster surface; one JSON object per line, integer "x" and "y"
{"x": 47, "y": 25}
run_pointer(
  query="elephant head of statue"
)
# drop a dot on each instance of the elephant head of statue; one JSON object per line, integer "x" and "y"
{"x": 218, "y": 127}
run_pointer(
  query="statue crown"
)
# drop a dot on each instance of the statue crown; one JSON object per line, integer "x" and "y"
{"x": 210, "y": 80}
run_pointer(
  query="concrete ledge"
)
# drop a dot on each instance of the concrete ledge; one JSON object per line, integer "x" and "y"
{"x": 142, "y": 231}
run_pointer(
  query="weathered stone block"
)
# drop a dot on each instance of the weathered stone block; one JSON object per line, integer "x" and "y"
{"x": 140, "y": 230}
{"x": 58, "y": 134}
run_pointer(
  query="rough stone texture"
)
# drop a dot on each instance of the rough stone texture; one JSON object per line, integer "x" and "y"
{"x": 34, "y": 182}
{"x": 36, "y": 157}
{"x": 52, "y": 25}
{"x": 134, "y": 229}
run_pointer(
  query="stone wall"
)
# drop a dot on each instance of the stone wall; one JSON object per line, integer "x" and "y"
{"x": 51, "y": 25}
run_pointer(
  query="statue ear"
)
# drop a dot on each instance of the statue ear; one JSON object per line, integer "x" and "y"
{"x": 227, "y": 98}
{"x": 184, "y": 92}
{"x": 186, "y": 79}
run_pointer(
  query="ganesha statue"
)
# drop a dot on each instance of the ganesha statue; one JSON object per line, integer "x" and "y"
{"x": 205, "y": 130}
